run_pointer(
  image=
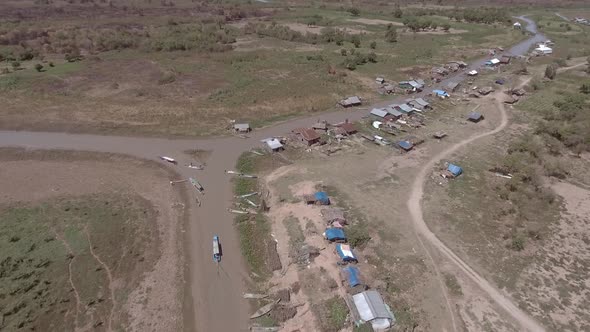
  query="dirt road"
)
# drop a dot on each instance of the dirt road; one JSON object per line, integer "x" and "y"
{"x": 216, "y": 293}
{"x": 415, "y": 208}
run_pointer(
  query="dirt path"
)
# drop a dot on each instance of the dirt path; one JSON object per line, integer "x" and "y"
{"x": 415, "y": 208}
{"x": 109, "y": 277}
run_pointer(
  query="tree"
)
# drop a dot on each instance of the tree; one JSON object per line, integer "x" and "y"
{"x": 372, "y": 57}
{"x": 373, "y": 45}
{"x": 38, "y": 67}
{"x": 397, "y": 11}
{"x": 550, "y": 71}
{"x": 446, "y": 26}
{"x": 15, "y": 65}
{"x": 391, "y": 35}
{"x": 354, "y": 11}
{"x": 356, "y": 40}
{"x": 433, "y": 25}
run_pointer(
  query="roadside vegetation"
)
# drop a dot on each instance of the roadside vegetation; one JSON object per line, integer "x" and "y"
{"x": 257, "y": 245}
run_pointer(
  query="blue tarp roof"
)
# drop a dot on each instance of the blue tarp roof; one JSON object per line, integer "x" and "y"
{"x": 456, "y": 170}
{"x": 475, "y": 116}
{"x": 334, "y": 234}
{"x": 322, "y": 197}
{"x": 352, "y": 276}
{"x": 440, "y": 92}
{"x": 345, "y": 253}
{"x": 405, "y": 145}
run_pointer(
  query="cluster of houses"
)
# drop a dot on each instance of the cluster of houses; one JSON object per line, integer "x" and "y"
{"x": 403, "y": 87}
{"x": 503, "y": 60}
{"x": 390, "y": 119}
{"x": 316, "y": 135}
{"x": 437, "y": 74}
{"x": 365, "y": 305}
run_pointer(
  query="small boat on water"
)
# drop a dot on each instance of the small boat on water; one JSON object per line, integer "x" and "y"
{"x": 197, "y": 185}
{"x": 216, "y": 249}
{"x": 198, "y": 167}
{"x": 168, "y": 159}
{"x": 264, "y": 310}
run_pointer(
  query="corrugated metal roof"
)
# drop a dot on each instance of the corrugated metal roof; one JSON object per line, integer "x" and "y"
{"x": 405, "y": 108}
{"x": 379, "y": 112}
{"x": 274, "y": 143}
{"x": 394, "y": 112}
{"x": 370, "y": 306}
{"x": 241, "y": 126}
{"x": 422, "y": 102}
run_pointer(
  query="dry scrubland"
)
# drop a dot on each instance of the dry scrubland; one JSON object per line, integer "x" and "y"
{"x": 93, "y": 246}
{"x": 528, "y": 234}
{"x": 186, "y": 68}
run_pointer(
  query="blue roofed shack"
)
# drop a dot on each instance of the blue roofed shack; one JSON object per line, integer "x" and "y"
{"x": 455, "y": 170}
{"x": 345, "y": 253}
{"x": 335, "y": 234}
{"x": 352, "y": 276}
{"x": 405, "y": 145}
{"x": 440, "y": 93}
{"x": 322, "y": 197}
{"x": 475, "y": 117}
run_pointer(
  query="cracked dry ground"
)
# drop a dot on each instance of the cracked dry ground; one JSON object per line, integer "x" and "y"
{"x": 88, "y": 242}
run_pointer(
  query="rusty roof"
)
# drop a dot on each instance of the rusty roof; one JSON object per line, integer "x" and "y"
{"x": 308, "y": 134}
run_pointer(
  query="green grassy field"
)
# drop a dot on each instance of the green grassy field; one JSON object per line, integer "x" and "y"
{"x": 50, "y": 272}
{"x": 127, "y": 84}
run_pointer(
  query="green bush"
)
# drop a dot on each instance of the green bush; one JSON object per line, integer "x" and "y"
{"x": 518, "y": 242}
{"x": 357, "y": 234}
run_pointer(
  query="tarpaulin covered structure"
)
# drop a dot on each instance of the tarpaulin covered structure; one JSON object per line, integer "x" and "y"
{"x": 335, "y": 234}
{"x": 455, "y": 170}
{"x": 351, "y": 275}
{"x": 345, "y": 253}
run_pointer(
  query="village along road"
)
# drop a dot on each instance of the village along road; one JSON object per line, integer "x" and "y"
{"x": 217, "y": 292}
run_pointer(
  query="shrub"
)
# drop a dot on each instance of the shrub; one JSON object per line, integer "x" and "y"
{"x": 343, "y": 52}
{"x": 51, "y": 64}
{"x": 585, "y": 88}
{"x": 391, "y": 35}
{"x": 518, "y": 242}
{"x": 15, "y": 65}
{"x": 373, "y": 45}
{"x": 397, "y": 12}
{"x": 550, "y": 71}
{"x": 38, "y": 67}
{"x": 356, "y": 41}
{"x": 358, "y": 234}
{"x": 354, "y": 11}
{"x": 446, "y": 26}
{"x": 166, "y": 78}
{"x": 372, "y": 57}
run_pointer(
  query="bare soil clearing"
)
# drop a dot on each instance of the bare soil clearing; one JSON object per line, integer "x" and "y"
{"x": 117, "y": 281}
{"x": 370, "y": 21}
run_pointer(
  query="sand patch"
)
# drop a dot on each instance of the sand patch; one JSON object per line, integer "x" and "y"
{"x": 369, "y": 21}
